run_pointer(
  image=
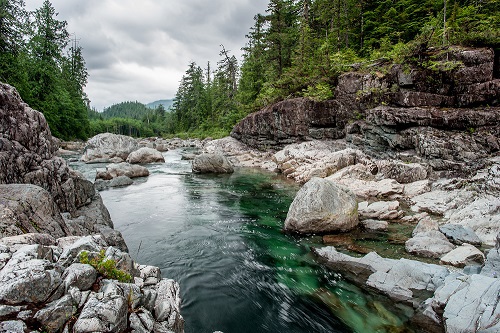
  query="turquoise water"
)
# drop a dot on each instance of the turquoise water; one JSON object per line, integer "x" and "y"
{"x": 220, "y": 237}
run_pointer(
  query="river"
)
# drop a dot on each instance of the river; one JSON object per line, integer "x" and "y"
{"x": 220, "y": 237}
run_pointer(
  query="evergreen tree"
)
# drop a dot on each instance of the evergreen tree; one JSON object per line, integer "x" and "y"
{"x": 13, "y": 19}
{"x": 252, "y": 75}
{"x": 281, "y": 35}
{"x": 188, "y": 102}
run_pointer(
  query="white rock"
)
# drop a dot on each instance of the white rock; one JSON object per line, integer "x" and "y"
{"x": 380, "y": 210}
{"x": 375, "y": 225}
{"x": 470, "y": 303}
{"x": 372, "y": 190}
{"x": 416, "y": 188}
{"x": 463, "y": 255}
{"x": 425, "y": 224}
{"x": 431, "y": 244}
{"x": 168, "y": 303}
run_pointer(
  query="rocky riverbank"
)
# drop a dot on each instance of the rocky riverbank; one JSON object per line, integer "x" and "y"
{"x": 62, "y": 265}
{"x": 411, "y": 145}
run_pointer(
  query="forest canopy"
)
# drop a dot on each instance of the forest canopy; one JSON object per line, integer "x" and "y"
{"x": 299, "y": 48}
{"x": 295, "y": 48}
{"x": 40, "y": 58}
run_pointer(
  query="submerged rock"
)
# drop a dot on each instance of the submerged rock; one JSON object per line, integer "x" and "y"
{"x": 322, "y": 206}
{"x": 402, "y": 280}
{"x": 212, "y": 163}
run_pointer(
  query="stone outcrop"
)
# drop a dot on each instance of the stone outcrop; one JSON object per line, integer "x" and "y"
{"x": 466, "y": 303}
{"x": 211, "y": 163}
{"x": 292, "y": 121}
{"x": 446, "y": 116}
{"x": 145, "y": 155}
{"x": 29, "y": 209}
{"x": 466, "y": 207}
{"x": 322, "y": 206}
{"x": 47, "y": 286}
{"x": 108, "y": 148}
{"x": 27, "y": 154}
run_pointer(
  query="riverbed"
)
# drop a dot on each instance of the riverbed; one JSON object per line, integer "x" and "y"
{"x": 220, "y": 237}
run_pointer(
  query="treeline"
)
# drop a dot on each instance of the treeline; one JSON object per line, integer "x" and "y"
{"x": 39, "y": 58}
{"x": 129, "y": 118}
{"x": 296, "y": 48}
{"x": 300, "y": 47}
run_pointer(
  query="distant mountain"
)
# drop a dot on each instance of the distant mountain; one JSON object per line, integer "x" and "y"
{"x": 167, "y": 103}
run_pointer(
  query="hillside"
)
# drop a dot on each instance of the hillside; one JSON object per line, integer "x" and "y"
{"x": 134, "y": 110}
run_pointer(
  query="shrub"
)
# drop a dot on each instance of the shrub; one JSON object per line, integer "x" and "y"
{"x": 105, "y": 267}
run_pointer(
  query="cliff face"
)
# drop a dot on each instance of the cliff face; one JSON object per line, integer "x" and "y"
{"x": 37, "y": 186}
{"x": 443, "y": 110}
{"x": 27, "y": 151}
{"x": 44, "y": 209}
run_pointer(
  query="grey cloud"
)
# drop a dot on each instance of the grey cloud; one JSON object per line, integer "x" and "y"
{"x": 140, "y": 50}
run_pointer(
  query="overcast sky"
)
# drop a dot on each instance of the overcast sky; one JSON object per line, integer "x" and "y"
{"x": 139, "y": 50}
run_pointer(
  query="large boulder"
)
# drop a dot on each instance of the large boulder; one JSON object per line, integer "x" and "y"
{"x": 322, "y": 206}
{"x": 27, "y": 154}
{"x": 212, "y": 163}
{"x": 108, "y": 147}
{"x": 145, "y": 155}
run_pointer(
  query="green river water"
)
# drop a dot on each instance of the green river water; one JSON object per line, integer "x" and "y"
{"x": 220, "y": 237}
